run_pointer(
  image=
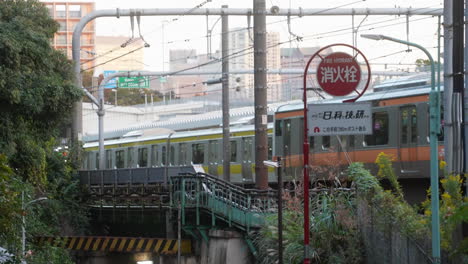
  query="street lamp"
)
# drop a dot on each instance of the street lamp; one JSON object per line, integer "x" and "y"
{"x": 23, "y": 223}
{"x": 115, "y": 91}
{"x": 434, "y": 113}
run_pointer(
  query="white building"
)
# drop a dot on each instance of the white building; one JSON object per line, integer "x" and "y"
{"x": 241, "y": 42}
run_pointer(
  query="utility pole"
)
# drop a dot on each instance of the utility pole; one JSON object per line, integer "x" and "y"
{"x": 458, "y": 85}
{"x": 225, "y": 100}
{"x": 260, "y": 95}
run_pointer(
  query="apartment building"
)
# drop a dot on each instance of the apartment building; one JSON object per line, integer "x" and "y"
{"x": 68, "y": 14}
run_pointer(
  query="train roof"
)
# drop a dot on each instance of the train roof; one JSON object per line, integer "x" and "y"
{"x": 175, "y": 135}
{"x": 374, "y": 96}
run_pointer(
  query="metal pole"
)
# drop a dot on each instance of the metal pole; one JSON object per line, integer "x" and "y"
{"x": 23, "y": 229}
{"x": 225, "y": 95}
{"x": 101, "y": 112}
{"x": 465, "y": 97}
{"x": 280, "y": 213}
{"x": 260, "y": 94}
{"x": 434, "y": 113}
{"x": 305, "y": 151}
{"x": 457, "y": 61}
{"x": 448, "y": 85}
{"x": 179, "y": 234}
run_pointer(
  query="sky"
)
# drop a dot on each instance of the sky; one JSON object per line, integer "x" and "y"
{"x": 190, "y": 31}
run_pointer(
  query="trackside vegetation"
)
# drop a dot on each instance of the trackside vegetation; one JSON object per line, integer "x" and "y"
{"x": 337, "y": 231}
{"x": 36, "y": 97}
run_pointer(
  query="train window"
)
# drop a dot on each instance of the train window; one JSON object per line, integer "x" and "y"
{"x": 183, "y": 153}
{"x": 142, "y": 157}
{"x": 233, "y": 151}
{"x": 154, "y": 155}
{"x": 270, "y": 148}
{"x": 380, "y": 130}
{"x": 325, "y": 142}
{"x": 311, "y": 143}
{"x": 171, "y": 155}
{"x": 120, "y": 159}
{"x": 198, "y": 153}
{"x": 90, "y": 161}
{"x": 163, "y": 155}
{"x": 97, "y": 160}
{"x": 279, "y": 128}
{"x": 108, "y": 159}
{"x": 130, "y": 158}
{"x": 287, "y": 134}
{"x": 441, "y": 131}
{"x": 213, "y": 151}
{"x": 414, "y": 126}
{"x": 343, "y": 141}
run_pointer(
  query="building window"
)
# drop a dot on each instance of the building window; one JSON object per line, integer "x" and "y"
{"x": 51, "y": 10}
{"x": 72, "y": 25}
{"x": 61, "y": 40}
{"x": 62, "y": 25}
{"x": 60, "y": 11}
{"x": 74, "y": 11}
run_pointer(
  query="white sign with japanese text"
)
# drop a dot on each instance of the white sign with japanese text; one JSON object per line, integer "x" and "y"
{"x": 339, "y": 119}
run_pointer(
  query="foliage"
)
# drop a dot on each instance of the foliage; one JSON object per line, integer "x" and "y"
{"x": 334, "y": 237}
{"x": 453, "y": 211}
{"x": 9, "y": 201}
{"x": 36, "y": 86}
{"x": 36, "y": 97}
{"x": 127, "y": 96}
{"x": 390, "y": 206}
{"x": 386, "y": 171}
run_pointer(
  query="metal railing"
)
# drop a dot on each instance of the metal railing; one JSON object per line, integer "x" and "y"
{"x": 236, "y": 206}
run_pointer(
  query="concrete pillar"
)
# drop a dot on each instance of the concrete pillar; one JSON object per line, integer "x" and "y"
{"x": 226, "y": 247}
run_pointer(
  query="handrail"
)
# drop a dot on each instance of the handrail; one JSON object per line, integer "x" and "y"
{"x": 235, "y": 205}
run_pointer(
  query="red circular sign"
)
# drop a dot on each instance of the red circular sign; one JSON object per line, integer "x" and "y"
{"x": 339, "y": 74}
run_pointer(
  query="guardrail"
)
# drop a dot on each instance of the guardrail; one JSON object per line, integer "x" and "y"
{"x": 130, "y": 187}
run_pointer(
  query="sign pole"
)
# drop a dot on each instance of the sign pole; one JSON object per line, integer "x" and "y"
{"x": 341, "y": 70}
{"x": 306, "y": 172}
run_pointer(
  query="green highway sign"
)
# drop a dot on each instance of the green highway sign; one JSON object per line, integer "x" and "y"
{"x": 134, "y": 82}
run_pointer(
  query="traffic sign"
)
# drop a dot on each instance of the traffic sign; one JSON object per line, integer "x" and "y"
{"x": 339, "y": 119}
{"x": 134, "y": 82}
{"x": 339, "y": 74}
{"x": 111, "y": 83}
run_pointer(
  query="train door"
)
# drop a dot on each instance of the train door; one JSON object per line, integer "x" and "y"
{"x": 247, "y": 159}
{"x": 213, "y": 157}
{"x": 408, "y": 139}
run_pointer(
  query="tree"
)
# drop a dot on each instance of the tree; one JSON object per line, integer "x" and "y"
{"x": 36, "y": 86}
{"x": 37, "y": 93}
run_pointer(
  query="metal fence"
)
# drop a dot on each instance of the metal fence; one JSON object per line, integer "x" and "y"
{"x": 385, "y": 244}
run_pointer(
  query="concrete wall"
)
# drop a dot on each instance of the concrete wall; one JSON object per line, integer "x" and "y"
{"x": 226, "y": 247}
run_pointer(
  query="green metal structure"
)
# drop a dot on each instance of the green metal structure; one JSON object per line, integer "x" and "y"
{"x": 201, "y": 197}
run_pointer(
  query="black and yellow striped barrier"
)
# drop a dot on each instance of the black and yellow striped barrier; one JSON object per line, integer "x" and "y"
{"x": 119, "y": 244}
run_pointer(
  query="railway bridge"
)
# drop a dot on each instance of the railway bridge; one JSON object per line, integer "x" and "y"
{"x": 168, "y": 213}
